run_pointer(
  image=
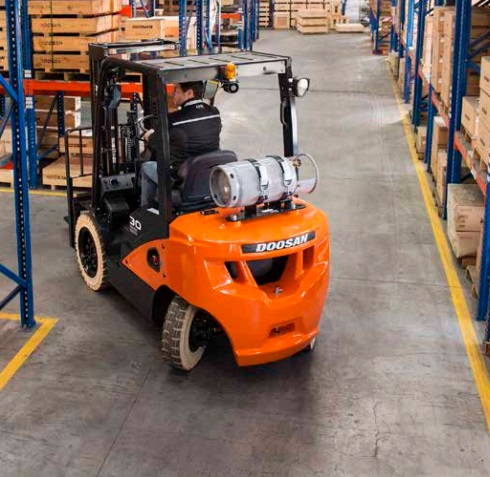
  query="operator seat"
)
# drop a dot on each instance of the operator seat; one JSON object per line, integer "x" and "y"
{"x": 193, "y": 192}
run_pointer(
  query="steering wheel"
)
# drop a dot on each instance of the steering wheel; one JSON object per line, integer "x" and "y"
{"x": 140, "y": 123}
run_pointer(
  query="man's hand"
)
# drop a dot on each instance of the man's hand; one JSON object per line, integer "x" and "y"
{"x": 147, "y": 134}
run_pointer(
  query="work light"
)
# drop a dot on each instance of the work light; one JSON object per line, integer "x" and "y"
{"x": 269, "y": 179}
{"x": 301, "y": 86}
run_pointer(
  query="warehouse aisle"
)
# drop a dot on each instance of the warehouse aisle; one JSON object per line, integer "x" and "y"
{"x": 388, "y": 391}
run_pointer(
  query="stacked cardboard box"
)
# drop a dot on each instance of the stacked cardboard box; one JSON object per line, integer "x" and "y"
{"x": 426, "y": 58}
{"x": 480, "y": 23}
{"x": 438, "y": 41}
{"x": 160, "y": 27}
{"x": 312, "y": 21}
{"x": 287, "y": 10}
{"x": 470, "y": 118}
{"x": 438, "y": 156}
{"x": 483, "y": 133}
{"x": 421, "y": 141}
{"x": 63, "y": 29}
{"x": 465, "y": 211}
{"x": 3, "y": 40}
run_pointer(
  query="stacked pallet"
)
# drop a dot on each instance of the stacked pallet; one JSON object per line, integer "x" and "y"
{"x": 63, "y": 29}
{"x": 312, "y": 22}
{"x": 264, "y": 13}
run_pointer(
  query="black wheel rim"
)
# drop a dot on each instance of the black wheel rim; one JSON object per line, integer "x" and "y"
{"x": 199, "y": 332}
{"x": 88, "y": 253}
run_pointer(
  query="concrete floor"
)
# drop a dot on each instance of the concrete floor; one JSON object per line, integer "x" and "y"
{"x": 388, "y": 391}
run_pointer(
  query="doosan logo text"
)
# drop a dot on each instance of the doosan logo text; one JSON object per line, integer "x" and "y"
{"x": 278, "y": 244}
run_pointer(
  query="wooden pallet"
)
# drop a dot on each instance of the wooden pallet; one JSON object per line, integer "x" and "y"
{"x": 6, "y": 176}
{"x": 311, "y": 22}
{"x": 472, "y": 276}
{"x": 73, "y": 25}
{"x": 70, "y": 43}
{"x": 468, "y": 138}
{"x": 54, "y": 175}
{"x": 439, "y": 207}
{"x": 73, "y": 7}
{"x": 480, "y": 164}
{"x": 349, "y": 28}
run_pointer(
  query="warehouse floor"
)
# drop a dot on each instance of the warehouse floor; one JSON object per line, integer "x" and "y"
{"x": 388, "y": 391}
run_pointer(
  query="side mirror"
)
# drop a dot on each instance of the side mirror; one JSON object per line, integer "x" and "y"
{"x": 211, "y": 89}
{"x": 300, "y": 86}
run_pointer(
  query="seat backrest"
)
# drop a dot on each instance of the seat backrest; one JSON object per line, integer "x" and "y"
{"x": 195, "y": 174}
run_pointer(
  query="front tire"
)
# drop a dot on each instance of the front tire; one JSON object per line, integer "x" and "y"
{"x": 90, "y": 251}
{"x": 180, "y": 349}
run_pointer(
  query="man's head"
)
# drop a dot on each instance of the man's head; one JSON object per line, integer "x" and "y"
{"x": 186, "y": 91}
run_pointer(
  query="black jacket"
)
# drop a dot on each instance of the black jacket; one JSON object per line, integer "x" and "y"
{"x": 193, "y": 130}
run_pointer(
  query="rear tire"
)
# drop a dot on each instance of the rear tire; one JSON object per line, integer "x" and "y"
{"x": 90, "y": 251}
{"x": 177, "y": 346}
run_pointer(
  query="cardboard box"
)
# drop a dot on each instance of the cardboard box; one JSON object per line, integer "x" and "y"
{"x": 441, "y": 175}
{"x": 484, "y": 111}
{"x": 421, "y": 139}
{"x": 464, "y": 244}
{"x": 485, "y": 74}
{"x": 470, "y": 113}
{"x": 465, "y": 207}
{"x": 482, "y": 145}
{"x": 71, "y": 103}
{"x": 145, "y": 28}
{"x": 281, "y": 20}
{"x": 439, "y": 140}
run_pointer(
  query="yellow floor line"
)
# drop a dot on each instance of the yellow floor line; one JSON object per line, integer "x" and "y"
{"x": 49, "y": 193}
{"x": 45, "y": 325}
{"x": 471, "y": 342}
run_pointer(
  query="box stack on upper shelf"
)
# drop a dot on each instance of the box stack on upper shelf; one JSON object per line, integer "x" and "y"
{"x": 475, "y": 119}
{"x": 160, "y": 27}
{"x": 63, "y": 29}
{"x": 264, "y": 13}
{"x": 286, "y": 13}
{"x": 171, "y": 7}
{"x": 443, "y": 47}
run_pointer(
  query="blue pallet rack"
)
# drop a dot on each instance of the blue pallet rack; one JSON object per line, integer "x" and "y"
{"x": 377, "y": 38}
{"x": 14, "y": 89}
{"x": 464, "y": 51}
{"x": 248, "y": 29}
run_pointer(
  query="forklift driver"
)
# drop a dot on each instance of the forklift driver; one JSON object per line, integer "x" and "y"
{"x": 194, "y": 129}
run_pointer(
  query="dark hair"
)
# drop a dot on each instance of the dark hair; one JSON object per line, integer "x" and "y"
{"x": 196, "y": 86}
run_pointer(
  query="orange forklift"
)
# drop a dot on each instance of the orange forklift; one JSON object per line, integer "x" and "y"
{"x": 230, "y": 248}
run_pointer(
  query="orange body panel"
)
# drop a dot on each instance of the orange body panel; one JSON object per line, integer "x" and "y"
{"x": 264, "y": 323}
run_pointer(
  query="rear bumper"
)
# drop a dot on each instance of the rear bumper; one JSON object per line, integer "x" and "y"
{"x": 275, "y": 350}
{"x": 270, "y": 329}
